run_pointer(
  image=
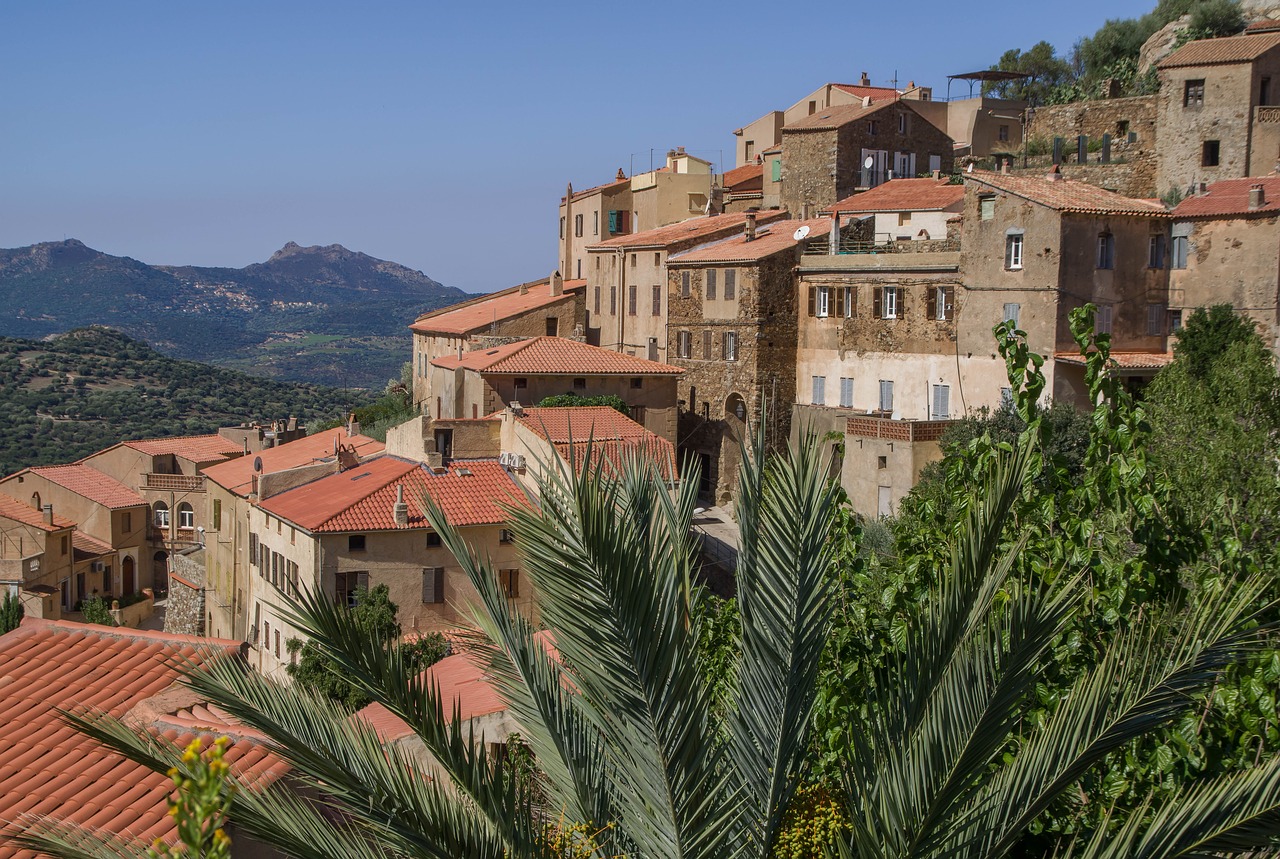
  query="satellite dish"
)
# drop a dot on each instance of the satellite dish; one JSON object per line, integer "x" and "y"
{"x": 257, "y": 463}
{"x": 800, "y": 233}
{"x": 869, "y": 163}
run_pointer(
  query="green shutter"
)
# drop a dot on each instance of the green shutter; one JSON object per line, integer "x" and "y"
{"x": 776, "y": 166}
{"x": 613, "y": 221}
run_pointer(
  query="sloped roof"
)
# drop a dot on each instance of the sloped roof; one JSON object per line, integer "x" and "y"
{"x": 614, "y": 185}
{"x": 28, "y": 515}
{"x": 836, "y": 116}
{"x": 1067, "y": 195}
{"x": 902, "y": 195}
{"x": 477, "y": 314}
{"x": 1230, "y": 198}
{"x": 748, "y": 177}
{"x": 47, "y": 767}
{"x": 583, "y": 435}
{"x": 197, "y": 448}
{"x": 470, "y": 492}
{"x": 237, "y": 475}
{"x": 89, "y": 547}
{"x": 875, "y": 92}
{"x": 90, "y": 483}
{"x": 1122, "y": 360}
{"x": 1228, "y": 49}
{"x": 704, "y": 226}
{"x": 775, "y": 238}
{"x": 554, "y": 356}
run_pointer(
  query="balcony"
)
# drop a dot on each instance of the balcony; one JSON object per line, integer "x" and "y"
{"x": 1266, "y": 115}
{"x": 881, "y": 426}
{"x": 173, "y": 482}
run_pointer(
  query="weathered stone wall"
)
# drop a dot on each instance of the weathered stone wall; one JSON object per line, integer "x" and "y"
{"x": 185, "y": 613}
{"x": 1132, "y": 169}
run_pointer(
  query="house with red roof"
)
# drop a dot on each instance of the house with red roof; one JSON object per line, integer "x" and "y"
{"x": 536, "y": 438}
{"x": 483, "y": 381}
{"x": 36, "y": 556}
{"x": 743, "y": 187}
{"x": 365, "y": 525}
{"x": 591, "y": 215}
{"x": 905, "y": 209}
{"x": 1225, "y": 249}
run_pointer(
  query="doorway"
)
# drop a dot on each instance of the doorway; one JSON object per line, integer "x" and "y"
{"x": 130, "y": 577}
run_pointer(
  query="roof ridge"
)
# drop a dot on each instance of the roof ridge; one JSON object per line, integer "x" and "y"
{"x": 35, "y": 624}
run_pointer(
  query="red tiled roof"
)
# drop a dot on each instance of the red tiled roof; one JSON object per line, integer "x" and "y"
{"x": 776, "y": 238}
{"x": 554, "y": 356}
{"x": 477, "y": 314}
{"x": 237, "y": 475}
{"x": 584, "y": 434}
{"x": 90, "y": 483}
{"x": 91, "y": 546}
{"x": 1229, "y": 49}
{"x": 1230, "y": 197}
{"x": 875, "y": 92}
{"x": 902, "y": 195}
{"x": 48, "y": 768}
{"x": 362, "y": 498}
{"x": 28, "y": 515}
{"x": 1067, "y": 195}
{"x": 1265, "y": 26}
{"x": 748, "y": 177}
{"x": 197, "y": 448}
{"x": 835, "y": 117}
{"x": 1123, "y": 360}
{"x": 705, "y": 226}
{"x": 615, "y": 185}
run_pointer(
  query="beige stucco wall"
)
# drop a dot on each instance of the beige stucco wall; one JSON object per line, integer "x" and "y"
{"x": 661, "y": 198}
{"x": 643, "y": 334}
{"x": 758, "y": 136}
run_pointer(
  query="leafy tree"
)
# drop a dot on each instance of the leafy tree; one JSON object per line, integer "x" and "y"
{"x": 1048, "y": 72}
{"x": 571, "y": 399}
{"x": 1206, "y": 336}
{"x": 97, "y": 610}
{"x": 10, "y": 613}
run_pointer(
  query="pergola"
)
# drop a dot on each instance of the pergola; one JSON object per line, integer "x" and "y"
{"x": 984, "y": 76}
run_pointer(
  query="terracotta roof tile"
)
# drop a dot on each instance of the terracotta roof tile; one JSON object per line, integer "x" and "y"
{"x": 237, "y": 475}
{"x": 1123, "y": 360}
{"x": 704, "y": 227}
{"x": 1230, "y": 197}
{"x": 362, "y": 498}
{"x": 28, "y": 515}
{"x": 90, "y": 546}
{"x": 902, "y": 195}
{"x": 90, "y": 483}
{"x": 583, "y": 434}
{"x": 876, "y": 93}
{"x": 1230, "y": 49}
{"x": 555, "y": 356}
{"x": 607, "y": 187}
{"x": 775, "y": 238}
{"x": 478, "y": 314}
{"x": 837, "y": 116}
{"x": 47, "y": 767}
{"x": 197, "y": 448}
{"x": 1067, "y": 195}
{"x": 748, "y": 177}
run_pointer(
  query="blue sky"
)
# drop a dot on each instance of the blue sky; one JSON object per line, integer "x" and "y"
{"x": 439, "y": 136}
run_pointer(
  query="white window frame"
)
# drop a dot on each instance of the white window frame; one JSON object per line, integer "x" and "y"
{"x": 1013, "y": 252}
{"x": 889, "y": 302}
{"x": 886, "y": 395}
{"x": 822, "y": 302}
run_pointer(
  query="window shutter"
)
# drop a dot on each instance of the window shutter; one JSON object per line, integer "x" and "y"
{"x": 949, "y": 297}
{"x": 850, "y": 302}
{"x": 776, "y": 169}
{"x": 813, "y": 301}
{"x": 941, "y": 402}
{"x": 878, "y": 302}
{"x": 706, "y": 344}
{"x": 613, "y": 221}
{"x": 711, "y": 284}
{"x": 839, "y": 302}
{"x": 684, "y": 284}
{"x": 931, "y": 293}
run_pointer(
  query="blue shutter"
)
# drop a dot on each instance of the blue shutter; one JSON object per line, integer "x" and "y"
{"x": 613, "y": 221}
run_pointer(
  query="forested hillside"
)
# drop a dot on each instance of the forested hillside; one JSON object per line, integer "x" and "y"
{"x": 87, "y": 389}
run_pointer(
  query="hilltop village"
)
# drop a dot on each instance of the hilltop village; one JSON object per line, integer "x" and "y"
{"x": 843, "y": 278}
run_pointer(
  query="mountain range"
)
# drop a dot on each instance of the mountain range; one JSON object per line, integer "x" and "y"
{"x": 315, "y": 314}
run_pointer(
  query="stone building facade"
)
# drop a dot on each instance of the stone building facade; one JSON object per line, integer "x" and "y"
{"x": 1130, "y": 123}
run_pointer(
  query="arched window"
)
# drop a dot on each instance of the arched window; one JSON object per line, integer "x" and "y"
{"x": 735, "y": 407}
{"x": 186, "y": 516}
{"x": 161, "y": 514}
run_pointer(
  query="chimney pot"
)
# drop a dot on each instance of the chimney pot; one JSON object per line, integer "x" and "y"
{"x": 620, "y": 175}
{"x": 353, "y": 425}
{"x": 749, "y": 227}
{"x": 400, "y": 512}
{"x": 865, "y": 81}
{"x": 557, "y": 284}
{"x": 1257, "y": 197}
{"x": 1055, "y": 175}
{"x": 48, "y": 514}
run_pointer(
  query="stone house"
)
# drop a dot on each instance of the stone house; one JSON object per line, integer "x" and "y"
{"x": 1219, "y": 110}
{"x": 36, "y": 557}
{"x": 1131, "y": 124}
{"x": 732, "y": 329}
{"x": 625, "y": 296}
{"x": 905, "y": 209}
{"x": 1226, "y": 250}
{"x": 835, "y": 152}
{"x": 744, "y": 187}
{"x": 365, "y": 526}
{"x": 481, "y": 382}
{"x": 549, "y": 307}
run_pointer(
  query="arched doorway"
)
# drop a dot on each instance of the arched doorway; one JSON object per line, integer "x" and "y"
{"x": 129, "y": 574}
{"x": 160, "y": 570}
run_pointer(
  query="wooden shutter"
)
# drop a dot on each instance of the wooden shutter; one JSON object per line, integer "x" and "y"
{"x": 840, "y": 301}
{"x": 878, "y": 302}
{"x": 949, "y": 297}
{"x": 931, "y": 295}
{"x": 706, "y": 344}
{"x": 813, "y": 301}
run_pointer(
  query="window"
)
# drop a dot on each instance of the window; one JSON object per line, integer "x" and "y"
{"x": 1155, "y": 251}
{"x": 521, "y": 384}
{"x": 633, "y": 260}
{"x": 253, "y": 550}
{"x": 186, "y": 516}
{"x": 873, "y": 126}
{"x": 1157, "y": 316}
{"x": 632, "y": 299}
{"x": 819, "y": 391}
{"x": 1002, "y": 133}
{"x": 904, "y": 219}
{"x": 846, "y": 393}
{"x": 580, "y": 383}
{"x": 637, "y": 414}
{"x": 775, "y": 170}
{"x": 886, "y": 395}
{"x": 706, "y": 344}
{"x": 553, "y": 326}
{"x": 1006, "y": 397}
{"x": 346, "y": 585}
{"x": 941, "y": 299}
{"x": 813, "y": 107}
{"x": 1180, "y": 244}
{"x": 217, "y": 514}
{"x": 1013, "y": 252}
{"x": 730, "y": 284}
{"x": 1264, "y": 91}
{"x": 577, "y": 225}
{"x": 685, "y": 290}
{"x": 823, "y": 305}
{"x": 160, "y": 511}
{"x": 1175, "y": 320}
{"x": 356, "y": 543}
{"x": 904, "y": 124}
{"x": 562, "y": 226}
{"x": 126, "y": 522}
{"x": 750, "y": 149}
{"x": 941, "y": 402}
{"x": 433, "y": 585}
{"x": 637, "y": 382}
{"x": 433, "y": 540}
{"x": 510, "y": 581}
{"x": 684, "y": 346}
{"x": 987, "y": 207}
{"x": 882, "y": 462}
{"x": 711, "y": 284}
{"x": 657, "y": 301}
{"x": 506, "y": 536}
{"x": 1106, "y": 250}
{"x": 729, "y": 345}
{"x": 266, "y": 631}
{"x": 1209, "y": 154}
{"x": 291, "y": 572}
{"x": 1102, "y": 320}
{"x": 844, "y": 301}
{"x": 1011, "y": 313}
{"x": 1122, "y": 128}
{"x": 888, "y": 301}
{"x": 613, "y": 301}
{"x": 595, "y": 223}
{"x": 1193, "y": 93}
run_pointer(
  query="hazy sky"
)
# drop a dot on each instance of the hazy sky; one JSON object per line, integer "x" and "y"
{"x": 436, "y": 135}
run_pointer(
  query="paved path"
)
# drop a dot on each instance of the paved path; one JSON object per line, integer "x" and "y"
{"x": 719, "y": 535}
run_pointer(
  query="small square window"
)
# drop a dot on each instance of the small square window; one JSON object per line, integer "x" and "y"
{"x": 433, "y": 540}
{"x": 579, "y": 383}
{"x": 637, "y": 382}
{"x": 882, "y": 462}
{"x": 1002, "y": 133}
{"x": 1209, "y": 154}
{"x": 356, "y": 543}
{"x": 1193, "y": 93}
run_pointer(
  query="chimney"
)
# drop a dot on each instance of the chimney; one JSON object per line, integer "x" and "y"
{"x": 48, "y": 514}
{"x": 1257, "y": 197}
{"x": 749, "y": 227}
{"x": 557, "y": 284}
{"x": 937, "y": 175}
{"x": 1004, "y": 166}
{"x": 866, "y": 101}
{"x": 620, "y": 175}
{"x": 679, "y": 150}
{"x": 1055, "y": 175}
{"x": 517, "y": 410}
{"x": 524, "y": 288}
{"x": 353, "y": 425}
{"x": 865, "y": 81}
{"x": 400, "y": 512}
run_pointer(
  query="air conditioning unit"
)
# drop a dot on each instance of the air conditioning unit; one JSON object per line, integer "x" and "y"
{"x": 517, "y": 461}
{"x": 505, "y": 460}
{"x": 98, "y": 566}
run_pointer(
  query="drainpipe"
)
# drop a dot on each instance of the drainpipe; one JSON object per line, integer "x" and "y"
{"x": 622, "y": 298}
